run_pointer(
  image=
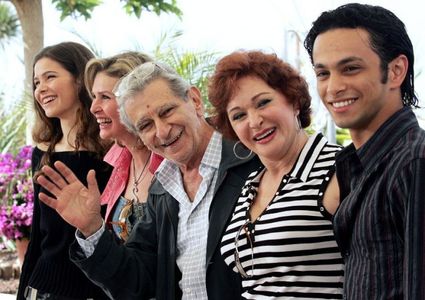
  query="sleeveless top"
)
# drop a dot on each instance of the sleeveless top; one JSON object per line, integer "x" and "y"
{"x": 290, "y": 251}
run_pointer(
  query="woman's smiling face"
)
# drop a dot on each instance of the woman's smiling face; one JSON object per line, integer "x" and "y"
{"x": 262, "y": 118}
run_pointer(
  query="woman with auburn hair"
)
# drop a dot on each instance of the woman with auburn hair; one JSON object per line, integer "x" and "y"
{"x": 280, "y": 238}
{"x": 66, "y": 131}
{"x": 134, "y": 164}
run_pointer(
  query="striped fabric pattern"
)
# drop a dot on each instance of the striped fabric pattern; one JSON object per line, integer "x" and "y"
{"x": 295, "y": 253}
{"x": 380, "y": 224}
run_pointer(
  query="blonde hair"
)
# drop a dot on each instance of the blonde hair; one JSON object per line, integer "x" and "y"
{"x": 116, "y": 66}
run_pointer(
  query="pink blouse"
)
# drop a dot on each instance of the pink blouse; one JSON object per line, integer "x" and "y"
{"x": 120, "y": 159}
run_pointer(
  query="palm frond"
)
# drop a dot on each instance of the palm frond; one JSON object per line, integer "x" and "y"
{"x": 13, "y": 126}
{"x": 194, "y": 66}
{"x": 9, "y": 24}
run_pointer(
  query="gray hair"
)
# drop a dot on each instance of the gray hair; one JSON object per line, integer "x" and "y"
{"x": 137, "y": 80}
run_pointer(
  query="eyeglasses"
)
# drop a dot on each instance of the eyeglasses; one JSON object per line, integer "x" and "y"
{"x": 248, "y": 228}
{"x": 122, "y": 220}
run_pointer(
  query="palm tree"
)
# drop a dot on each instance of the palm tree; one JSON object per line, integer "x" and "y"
{"x": 9, "y": 24}
{"x": 195, "y": 67}
{"x": 13, "y": 127}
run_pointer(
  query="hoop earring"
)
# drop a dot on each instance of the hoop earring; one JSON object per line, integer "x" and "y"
{"x": 242, "y": 146}
{"x": 299, "y": 123}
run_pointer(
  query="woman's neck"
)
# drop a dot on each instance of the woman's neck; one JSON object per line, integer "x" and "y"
{"x": 68, "y": 141}
{"x": 284, "y": 166}
{"x": 140, "y": 156}
{"x": 138, "y": 150}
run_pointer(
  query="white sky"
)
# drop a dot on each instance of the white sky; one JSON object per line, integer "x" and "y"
{"x": 215, "y": 25}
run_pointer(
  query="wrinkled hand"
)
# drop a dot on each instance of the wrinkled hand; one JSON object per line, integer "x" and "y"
{"x": 76, "y": 204}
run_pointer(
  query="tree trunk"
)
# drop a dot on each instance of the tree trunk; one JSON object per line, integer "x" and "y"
{"x": 30, "y": 14}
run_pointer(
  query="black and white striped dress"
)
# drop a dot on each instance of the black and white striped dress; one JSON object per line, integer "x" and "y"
{"x": 295, "y": 253}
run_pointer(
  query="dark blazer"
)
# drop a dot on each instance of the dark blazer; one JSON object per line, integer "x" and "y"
{"x": 146, "y": 266}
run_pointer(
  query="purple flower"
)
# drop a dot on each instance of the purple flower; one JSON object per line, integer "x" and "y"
{"x": 17, "y": 194}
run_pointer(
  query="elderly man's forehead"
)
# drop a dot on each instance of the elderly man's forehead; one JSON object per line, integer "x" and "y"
{"x": 150, "y": 101}
{"x": 158, "y": 89}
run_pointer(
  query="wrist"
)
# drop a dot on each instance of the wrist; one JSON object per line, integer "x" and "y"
{"x": 92, "y": 228}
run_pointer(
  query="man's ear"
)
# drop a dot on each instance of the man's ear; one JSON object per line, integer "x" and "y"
{"x": 194, "y": 95}
{"x": 397, "y": 71}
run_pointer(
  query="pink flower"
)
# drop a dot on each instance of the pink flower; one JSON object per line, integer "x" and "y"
{"x": 17, "y": 194}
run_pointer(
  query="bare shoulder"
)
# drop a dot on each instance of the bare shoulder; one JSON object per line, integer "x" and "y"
{"x": 331, "y": 198}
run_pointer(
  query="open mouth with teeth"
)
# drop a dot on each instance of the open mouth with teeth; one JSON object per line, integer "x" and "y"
{"x": 47, "y": 100}
{"x": 265, "y": 134}
{"x": 104, "y": 121}
{"x": 172, "y": 141}
{"x": 340, "y": 104}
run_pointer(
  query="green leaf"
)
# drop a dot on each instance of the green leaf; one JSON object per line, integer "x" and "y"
{"x": 76, "y": 8}
{"x": 13, "y": 126}
{"x": 157, "y": 6}
{"x": 194, "y": 66}
{"x": 9, "y": 24}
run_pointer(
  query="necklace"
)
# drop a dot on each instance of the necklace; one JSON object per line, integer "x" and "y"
{"x": 137, "y": 180}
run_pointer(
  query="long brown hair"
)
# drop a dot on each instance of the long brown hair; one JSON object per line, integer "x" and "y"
{"x": 73, "y": 57}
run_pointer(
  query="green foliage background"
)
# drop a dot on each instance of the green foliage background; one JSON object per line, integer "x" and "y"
{"x": 9, "y": 24}
{"x": 195, "y": 67}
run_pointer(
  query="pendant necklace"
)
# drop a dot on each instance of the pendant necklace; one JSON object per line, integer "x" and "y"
{"x": 136, "y": 180}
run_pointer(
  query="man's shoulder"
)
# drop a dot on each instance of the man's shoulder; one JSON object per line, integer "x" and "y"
{"x": 241, "y": 170}
{"x": 230, "y": 160}
{"x": 413, "y": 143}
{"x": 410, "y": 147}
{"x": 251, "y": 164}
{"x": 156, "y": 188}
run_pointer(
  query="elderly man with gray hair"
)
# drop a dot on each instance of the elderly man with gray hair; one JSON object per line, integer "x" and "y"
{"x": 173, "y": 251}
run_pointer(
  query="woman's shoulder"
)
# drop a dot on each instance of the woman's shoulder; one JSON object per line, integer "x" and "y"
{"x": 41, "y": 147}
{"x": 70, "y": 157}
